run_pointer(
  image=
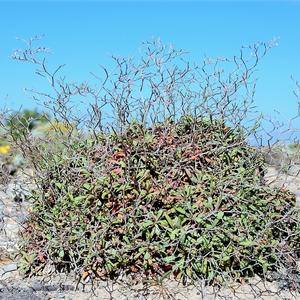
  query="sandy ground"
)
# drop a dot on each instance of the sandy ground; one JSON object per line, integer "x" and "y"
{"x": 289, "y": 180}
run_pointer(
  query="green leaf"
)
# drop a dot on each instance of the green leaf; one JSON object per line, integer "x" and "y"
{"x": 189, "y": 272}
{"x": 79, "y": 198}
{"x": 58, "y": 185}
{"x": 125, "y": 238}
{"x": 181, "y": 211}
{"x": 159, "y": 214}
{"x": 87, "y": 186}
{"x": 169, "y": 259}
{"x": 122, "y": 164}
{"x": 146, "y": 224}
{"x": 86, "y": 172}
{"x": 173, "y": 234}
{"x": 61, "y": 253}
{"x": 169, "y": 220}
{"x": 220, "y": 215}
{"x": 248, "y": 243}
{"x": 147, "y": 255}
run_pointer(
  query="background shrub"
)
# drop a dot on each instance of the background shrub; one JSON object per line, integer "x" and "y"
{"x": 22, "y": 122}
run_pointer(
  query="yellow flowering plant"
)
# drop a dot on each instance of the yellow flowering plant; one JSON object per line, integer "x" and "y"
{"x": 4, "y": 149}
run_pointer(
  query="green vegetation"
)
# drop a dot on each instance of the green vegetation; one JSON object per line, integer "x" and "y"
{"x": 15, "y": 128}
{"x": 182, "y": 198}
{"x": 21, "y": 123}
{"x": 156, "y": 177}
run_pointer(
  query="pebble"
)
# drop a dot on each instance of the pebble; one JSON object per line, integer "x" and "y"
{"x": 8, "y": 268}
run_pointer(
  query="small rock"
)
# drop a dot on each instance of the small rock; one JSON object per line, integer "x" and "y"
{"x": 8, "y": 268}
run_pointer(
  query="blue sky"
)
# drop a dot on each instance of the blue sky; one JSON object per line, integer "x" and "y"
{"x": 84, "y": 34}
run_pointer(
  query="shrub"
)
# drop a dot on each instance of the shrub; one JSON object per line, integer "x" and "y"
{"x": 185, "y": 198}
{"x": 21, "y": 123}
{"x": 158, "y": 176}
{"x": 14, "y": 128}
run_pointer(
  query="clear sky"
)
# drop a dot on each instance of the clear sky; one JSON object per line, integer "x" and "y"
{"x": 83, "y": 34}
